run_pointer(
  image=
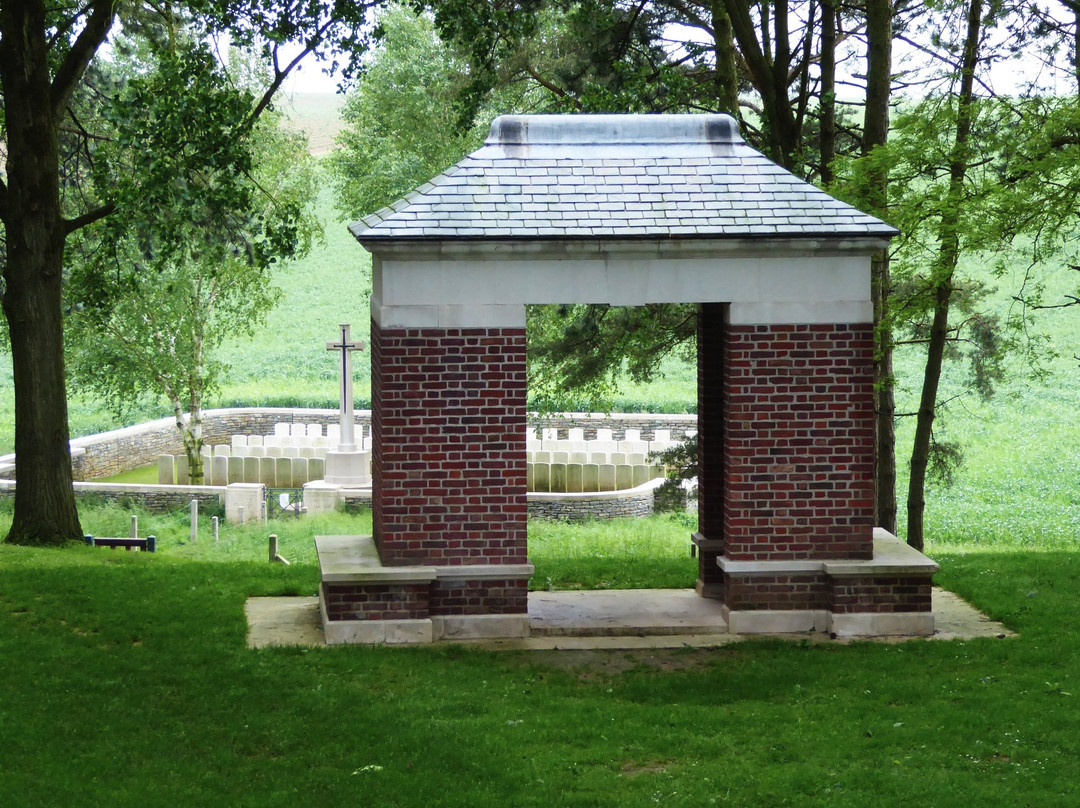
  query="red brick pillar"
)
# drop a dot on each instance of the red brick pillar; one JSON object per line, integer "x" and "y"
{"x": 710, "y": 357}
{"x": 448, "y": 466}
{"x": 799, "y": 456}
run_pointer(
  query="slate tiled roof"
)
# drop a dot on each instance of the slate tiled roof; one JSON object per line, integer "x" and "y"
{"x": 615, "y": 176}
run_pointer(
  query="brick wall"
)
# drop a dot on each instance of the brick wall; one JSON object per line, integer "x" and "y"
{"x": 798, "y": 442}
{"x": 710, "y": 358}
{"x": 376, "y": 601}
{"x": 776, "y": 592}
{"x": 509, "y": 596}
{"x": 449, "y": 453}
{"x": 901, "y": 593}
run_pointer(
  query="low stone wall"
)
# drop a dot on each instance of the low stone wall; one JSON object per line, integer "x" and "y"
{"x": 606, "y": 505}
{"x": 154, "y": 498}
{"x": 119, "y": 450}
{"x": 618, "y": 423}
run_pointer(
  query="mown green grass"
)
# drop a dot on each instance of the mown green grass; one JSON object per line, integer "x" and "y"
{"x": 126, "y": 682}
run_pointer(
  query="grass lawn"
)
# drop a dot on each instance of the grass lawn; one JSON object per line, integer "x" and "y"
{"x": 126, "y": 682}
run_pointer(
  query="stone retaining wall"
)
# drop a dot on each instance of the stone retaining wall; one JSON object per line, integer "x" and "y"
{"x": 154, "y": 498}
{"x": 608, "y": 505}
{"x": 119, "y": 450}
{"x": 131, "y": 447}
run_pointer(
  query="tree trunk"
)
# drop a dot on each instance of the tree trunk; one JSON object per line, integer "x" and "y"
{"x": 875, "y": 133}
{"x": 828, "y": 91}
{"x": 942, "y": 278}
{"x": 884, "y": 397}
{"x": 189, "y": 424}
{"x": 1076, "y": 46}
{"x": 45, "y": 510}
{"x": 727, "y": 79}
{"x": 769, "y": 76}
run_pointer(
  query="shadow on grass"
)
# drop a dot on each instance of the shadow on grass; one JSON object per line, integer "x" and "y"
{"x": 106, "y": 654}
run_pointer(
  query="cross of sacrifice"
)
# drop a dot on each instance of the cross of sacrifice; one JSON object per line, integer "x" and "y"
{"x": 346, "y": 345}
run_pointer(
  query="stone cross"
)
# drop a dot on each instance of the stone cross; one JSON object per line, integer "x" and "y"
{"x": 346, "y": 443}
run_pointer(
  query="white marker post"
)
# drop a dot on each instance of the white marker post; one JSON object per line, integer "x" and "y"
{"x": 346, "y": 346}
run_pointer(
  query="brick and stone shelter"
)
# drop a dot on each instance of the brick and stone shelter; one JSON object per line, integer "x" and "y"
{"x": 624, "y": 210}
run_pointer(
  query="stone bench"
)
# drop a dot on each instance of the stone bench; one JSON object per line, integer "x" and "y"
{"x": 149, "y": 544}
{"x": 362, "y": 601}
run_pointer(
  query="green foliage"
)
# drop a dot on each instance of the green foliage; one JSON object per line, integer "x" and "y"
{"x": 183, "y": 265}
{"x": 681, "y": 462}
{"x": 587, "y": 351}
{"x": 403, "y": 121}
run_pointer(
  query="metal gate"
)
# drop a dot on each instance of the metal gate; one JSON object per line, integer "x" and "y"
{"x": 284, "y": 503}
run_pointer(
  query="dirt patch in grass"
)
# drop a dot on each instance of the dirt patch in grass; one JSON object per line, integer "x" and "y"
{"x": 599, "y": 662}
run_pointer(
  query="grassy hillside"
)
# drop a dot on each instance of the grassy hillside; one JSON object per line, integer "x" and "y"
{"x": 318, "y": 115}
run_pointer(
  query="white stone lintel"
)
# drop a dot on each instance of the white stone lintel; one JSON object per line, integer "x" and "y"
{"x": 770, "y": 621}
{"x": 884, "y": 624}
{"x": 801, "y": 313}
{"x": 481, "y": 316}
{"x": 483, "y": 572}
{"x": 480, "y": 626}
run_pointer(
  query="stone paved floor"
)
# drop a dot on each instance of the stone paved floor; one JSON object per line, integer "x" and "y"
{"x": 670, "y": 618}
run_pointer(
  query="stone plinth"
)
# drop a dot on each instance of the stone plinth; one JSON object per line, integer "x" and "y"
{"x": 363, "y": 602}
{"x": 246, "y": 496}
{"x": 888, "y": 594}
{"x": 348, "y": 469}
{"x": 321, "y": 497}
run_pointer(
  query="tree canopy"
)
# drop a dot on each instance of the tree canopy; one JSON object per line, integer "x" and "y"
{"x": 83, "y": 150}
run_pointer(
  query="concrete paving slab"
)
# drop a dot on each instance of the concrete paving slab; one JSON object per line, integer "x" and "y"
{"x": 283, "y": 621}
{"x": 624, "y": 612}
{"x": 614, "y": 619}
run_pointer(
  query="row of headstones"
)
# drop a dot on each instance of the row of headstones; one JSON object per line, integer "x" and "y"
{"x": 588, "y": 478}
{"x": 600, "y": 458}
{"x": 575, "y": 444}
{"x": 295, "y": 435}
{"x": 273, "y": 472}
